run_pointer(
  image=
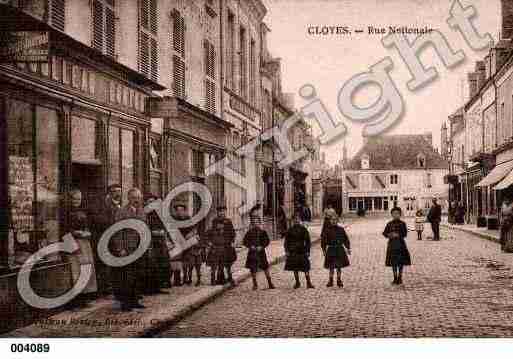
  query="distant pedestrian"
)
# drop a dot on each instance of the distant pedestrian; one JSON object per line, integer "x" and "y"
{"x": 297, "y": 250}
{"x": 460, "y": 213}
{"x": 419, "y": 223}
{"x": 435, "y": 217}
{"x": 335, "y": 246}
{"x": 256, "y": 240}
{"x": 506, "y": 232}
{"x": 397, "y": 255}
{"x": 221, "y": 252}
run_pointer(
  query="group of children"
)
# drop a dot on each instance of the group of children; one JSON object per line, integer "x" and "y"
{"x": 336, "y": 246}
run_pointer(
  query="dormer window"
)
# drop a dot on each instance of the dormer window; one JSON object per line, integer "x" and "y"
{"x": 421, "y": 160}
{"x": 365, "y": 162}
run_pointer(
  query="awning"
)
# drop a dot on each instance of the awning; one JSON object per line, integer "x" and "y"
{"x": 506, "y": 182}
{"x": 498, "y": 173}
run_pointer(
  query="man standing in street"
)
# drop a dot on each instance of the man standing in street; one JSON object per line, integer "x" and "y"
{"x": 111, "y": 204}
{"x": 435, "y": 217}
{"x": 128, "y": 279}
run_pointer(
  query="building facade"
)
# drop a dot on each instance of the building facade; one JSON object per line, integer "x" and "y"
{"x": 395, "y": 170}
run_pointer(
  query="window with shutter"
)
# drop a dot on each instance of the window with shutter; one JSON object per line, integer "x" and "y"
{"x": 104, "y": 26}
{"x": 242, "y": 63}
{"x": 178, "y": 43}
{"x": 230, "y": 58}
{"x": 148, "y": 45}
{"x": 252, "y": 66}
{"x": 210, "y": 74}
{"x": 178, "y": 77}
{"x": 178, "y": 32}
{"x": 57, "y": 10}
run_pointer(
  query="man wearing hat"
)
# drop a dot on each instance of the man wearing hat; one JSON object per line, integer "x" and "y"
{"x": 221, "y": 253}
{"x": 105, "y": 218}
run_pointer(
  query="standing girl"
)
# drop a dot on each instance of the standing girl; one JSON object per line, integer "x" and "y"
{"x": 397, "y": 253}
{"x": 419, "y": 223}
{"x": 335, "y": 244}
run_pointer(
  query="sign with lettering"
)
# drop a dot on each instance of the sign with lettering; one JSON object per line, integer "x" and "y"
{"x": 24, "y": 46}
{"x": 21, "y": 192}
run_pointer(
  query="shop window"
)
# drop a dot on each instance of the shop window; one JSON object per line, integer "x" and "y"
{"x": 83, "y": 139}
{"x": 114, "y": 155}
{"x": 385, "y": 203}
{"x": 33, "y": 178}
{"x": 368, "y": 203}
{"x": 352, "y": 204}
{"x": 127, "y": 161}
{"x": 378, "y": 203}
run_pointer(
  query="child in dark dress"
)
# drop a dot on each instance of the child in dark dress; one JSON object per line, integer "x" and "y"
{"x": 397, "y": 254}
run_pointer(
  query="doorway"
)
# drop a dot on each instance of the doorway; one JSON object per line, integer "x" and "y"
{"x": 88, "y": 178}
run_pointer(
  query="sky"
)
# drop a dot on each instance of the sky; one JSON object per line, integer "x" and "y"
{"x": 328, "y": 61}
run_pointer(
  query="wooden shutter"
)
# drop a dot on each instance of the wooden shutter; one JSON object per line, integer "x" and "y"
{"x": 144, "y": 15}
{"x": 110, "y": 32}
{"x": 210, "y": 59}
{"x": 210, "y": 88}
{"x": 154, "y": 59}
{"x": 97, "y": 25}
{"x": 57, "y": 14}
{"x": 144, "y": 53}
{"x": 178, "y": 33}
{"x": 178, "y": 77}
{"x": 148, "y": 45}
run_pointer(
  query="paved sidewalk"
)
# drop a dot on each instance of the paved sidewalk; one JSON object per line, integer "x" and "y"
{"x": 102, "y": 318}
{"x": 490, "y": 234}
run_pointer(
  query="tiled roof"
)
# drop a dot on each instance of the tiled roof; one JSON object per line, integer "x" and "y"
{"x": 397, "y": 152}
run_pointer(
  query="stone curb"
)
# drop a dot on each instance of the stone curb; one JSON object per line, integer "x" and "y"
{"x": 239, "y": 277}
{"x": 469, "y": 231}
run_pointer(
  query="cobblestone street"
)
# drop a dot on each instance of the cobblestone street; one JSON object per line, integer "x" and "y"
{"x": 458, "y": 287}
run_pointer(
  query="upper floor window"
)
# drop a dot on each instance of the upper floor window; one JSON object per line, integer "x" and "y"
{"x": 148, "y": 45}
{"x": 252, "y": 72}
{"x": 394, "y": 179}
{"x": 365, "y": 162}
{"x": 243, "y": 63}
{"x": 104, "y": 26}
{"x": 230, "y": 49}
{"x": 210, "y": 75}
{"x": 56, "y": 12}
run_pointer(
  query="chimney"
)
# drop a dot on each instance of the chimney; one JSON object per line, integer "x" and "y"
{"x": 507, "y": 19}
{"x": 472, "y": 84}
{"x": 481, "y": 73}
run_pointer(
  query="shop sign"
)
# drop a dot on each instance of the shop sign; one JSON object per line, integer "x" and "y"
{"x": 24, "y": 46}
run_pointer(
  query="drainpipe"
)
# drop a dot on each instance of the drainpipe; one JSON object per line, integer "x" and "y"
{"x": 221, "y": 85}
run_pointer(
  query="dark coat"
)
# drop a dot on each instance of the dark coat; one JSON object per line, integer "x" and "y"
{"x": 220, "y": 242}
{"x": 128, "y": 280}
{"x": 435, "y": 214}
{"x": 334, "y": 242}
{"x": 297, "y": 246}
{"x": 157, "y": 265}
{"x": 397, "y": 251}
{"x": 256, "y": 259}
{"x": 194, "y": 255}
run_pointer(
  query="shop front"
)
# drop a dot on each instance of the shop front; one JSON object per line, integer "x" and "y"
{"x": 73, "y": 119}
{"x": 191, "y": 140}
